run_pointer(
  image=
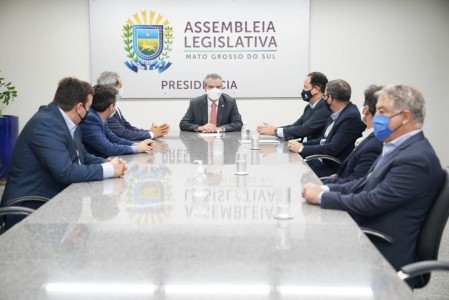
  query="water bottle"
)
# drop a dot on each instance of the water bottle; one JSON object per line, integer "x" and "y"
{"x": 246, "y": 131}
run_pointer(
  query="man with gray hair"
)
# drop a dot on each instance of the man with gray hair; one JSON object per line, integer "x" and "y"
{"x": 396, "y": 194}
{"x": 213, "y": 111}
{"x": 117, "y": 122}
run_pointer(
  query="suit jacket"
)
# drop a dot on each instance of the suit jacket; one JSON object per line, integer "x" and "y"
{"x": 340, "y": 140}
{"x": 228, "y": 115}
{"x": 310, "y": 124}
{"x": 122, "y": 128}
{"x": 45, "y": 159}
{"x": 358, "y": 163}
{"x": 394, "y": 198}
{"x": 100, "y": 140}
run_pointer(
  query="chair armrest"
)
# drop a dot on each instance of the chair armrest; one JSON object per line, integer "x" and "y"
{"x": 19, "y": 200}
{"x": 322, "y": 156}
{"x": 16, "y": 210}
{"x": 422, "y": 267}
{"x": 326, "y": 177}
{"x": 377, "y": 234}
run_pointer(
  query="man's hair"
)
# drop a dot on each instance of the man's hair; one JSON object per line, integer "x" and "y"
{"x": 371, "y": 97}
{"x": 104, "y": 96}
{"x": 339, "y": 89}
{"x": 108, "y": 77}
{"x": 406, "y": 97}
{"x": 318, "y": 79}
{"x": 211, "y": 76}
{"x": 72, "y": 91}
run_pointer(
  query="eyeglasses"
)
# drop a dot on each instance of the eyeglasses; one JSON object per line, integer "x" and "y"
{"x": 325, "y": 96}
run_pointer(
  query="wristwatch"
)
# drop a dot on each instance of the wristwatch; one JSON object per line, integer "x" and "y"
{"x": 276, "y": 132}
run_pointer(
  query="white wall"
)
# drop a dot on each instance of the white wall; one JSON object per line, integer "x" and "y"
{"x": 362, "y": 41}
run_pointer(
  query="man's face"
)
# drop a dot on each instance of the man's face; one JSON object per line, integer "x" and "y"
{"x": 385, "y": 107}
{"x": 213, "y": 83}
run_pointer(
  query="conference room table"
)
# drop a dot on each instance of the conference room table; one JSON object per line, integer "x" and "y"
{"x": 151, "y": 235}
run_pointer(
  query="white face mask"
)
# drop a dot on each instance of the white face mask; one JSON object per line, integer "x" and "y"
{"x": 120, "y": 93}
{"x": 214, "y": 94}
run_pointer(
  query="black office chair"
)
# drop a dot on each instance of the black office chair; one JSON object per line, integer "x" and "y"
{"x": 321, "y": 157}
{"x": 13, "y": 208}
{"x": 429, "y": 239}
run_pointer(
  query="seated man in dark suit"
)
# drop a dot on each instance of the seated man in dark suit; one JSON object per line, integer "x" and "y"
{"x": 396, "y": 194}
{"x": 49, "y": 155}
{"x": 97, "y": 137}
{"x": 213, "y": 111}
{"x": 367, "y": 148}
{"x": 117, "y": 122}
{"x": 311, "y": 123}
{"x": 343, "y": 127}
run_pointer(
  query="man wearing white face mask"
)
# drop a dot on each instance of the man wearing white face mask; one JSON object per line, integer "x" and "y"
{"x": 213, "y": 111}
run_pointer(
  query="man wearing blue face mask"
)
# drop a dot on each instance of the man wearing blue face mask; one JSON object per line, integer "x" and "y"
{"x": 311, "y": 123}
{"x": 213, "y": 111}
{"x": 396, "y": 194}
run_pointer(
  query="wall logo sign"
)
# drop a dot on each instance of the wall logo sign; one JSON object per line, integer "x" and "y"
{"x": 148, "y": 42}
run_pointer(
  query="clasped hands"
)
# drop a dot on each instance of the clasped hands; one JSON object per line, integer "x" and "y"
{"x": 145, "y": 145}
{"x": 295, "y": 146}
{"x": 311, "y": 191}
{"x": 159, "y": 130}
{"x": 120, "y": 166}
{"x": 209, "y": 127}
{"x": 266, "y": 129}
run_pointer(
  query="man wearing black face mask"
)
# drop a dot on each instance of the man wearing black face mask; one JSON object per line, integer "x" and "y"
{"x": 49, "y": 156}
{"x": 311, "y": 123}
{"x": 399, "y": 189}
{"x": 342, "y": 129}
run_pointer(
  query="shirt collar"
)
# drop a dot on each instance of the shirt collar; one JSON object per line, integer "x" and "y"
{"x": 313, "y": 105}
{"x": 399, "y": 140}
{"x": 389, "y": 147}
{"x": 70, "y": 125}
{"x": 335, "y": 115}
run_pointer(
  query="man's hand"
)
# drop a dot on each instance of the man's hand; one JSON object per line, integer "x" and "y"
{"x": 159, "y": 130}
{"x": 266, "y": 129}
{"x": 209, "y": 127}
{"x": 310, "y": 192}
{"x": 119, "y": 165}
{"x": 145, "y": 145}
{"x": 295, "y": 146}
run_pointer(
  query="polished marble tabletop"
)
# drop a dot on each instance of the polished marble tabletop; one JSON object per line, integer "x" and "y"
{"x": 151, "y": 235}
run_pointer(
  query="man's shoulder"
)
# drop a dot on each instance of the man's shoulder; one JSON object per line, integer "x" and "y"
{"x": 228, "y": 98}
{"x": 350, "y": 113}
{"x": 199, "y": 99}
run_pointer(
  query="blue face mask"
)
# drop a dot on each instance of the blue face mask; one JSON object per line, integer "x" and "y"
{"x": 380, "y": 125}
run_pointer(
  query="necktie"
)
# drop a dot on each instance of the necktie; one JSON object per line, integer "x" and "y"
{"x": 213, "y": 113}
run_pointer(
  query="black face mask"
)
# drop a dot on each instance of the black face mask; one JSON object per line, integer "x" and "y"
{"x": 82, "y": 118}
{"x": 306, "y": 95}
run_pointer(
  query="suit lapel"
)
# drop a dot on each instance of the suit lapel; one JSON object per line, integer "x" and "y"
{"x": 119, "y": 116}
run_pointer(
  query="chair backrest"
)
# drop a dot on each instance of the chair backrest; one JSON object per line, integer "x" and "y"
{"x": 433, "y": 227}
